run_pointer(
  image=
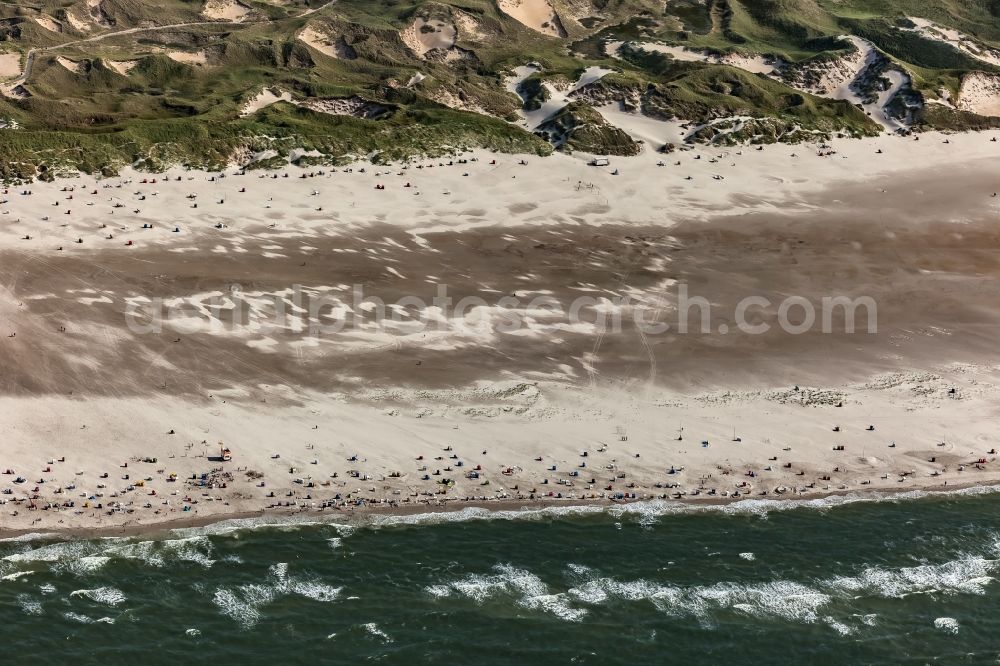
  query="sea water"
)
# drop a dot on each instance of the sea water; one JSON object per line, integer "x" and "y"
{"x": 848, "y": 580}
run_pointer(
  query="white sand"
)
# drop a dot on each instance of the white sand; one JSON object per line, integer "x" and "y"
{"x": 264, "y": 98}
{"x": 319, "y": 41}
{"x": 535, "y": 14}
{"x": 513, "y": 418}
{"x": 631, "y": 444}
{"x": 422, "y": 36}
{"x": 980, "y": 93}
{"x": 548, "y": 184}
{"x": 558, "y": 97}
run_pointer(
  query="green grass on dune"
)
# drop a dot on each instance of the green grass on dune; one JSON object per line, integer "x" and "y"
{"x": 164, "y": 111}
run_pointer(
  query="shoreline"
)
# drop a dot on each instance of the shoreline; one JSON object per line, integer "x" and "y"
{"x": 510, "y": 510}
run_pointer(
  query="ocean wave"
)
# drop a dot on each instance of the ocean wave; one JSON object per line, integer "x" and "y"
{"x": 84, "y": 558}
{"x": 948, "y": 624}
{"x": 56, "y": 552}
{"x": 838, "y": 626}
{"x": 244, "y": 603}
{"x": 808, "y": 602}
{"x": 29, "y": 604}
{"x": 82, "y": 566}
{"x": 527, "y": 590}
{"x": 967, "y": 575}
{"x": 781, "y": 599}
{"x": 196, "y": 549}
{"x": 110, "y": 596}
{"x": 31, "y": 537}
{"x": 231, "y": 526}
{"x": 374, "y": 630}
{"x": 17, "y": 574}
{"x": 84, "y": 619}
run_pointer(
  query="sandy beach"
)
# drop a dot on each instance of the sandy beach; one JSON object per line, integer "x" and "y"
{"x": 115, "y": 413}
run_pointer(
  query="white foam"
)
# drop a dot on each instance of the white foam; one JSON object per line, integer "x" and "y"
{"x": 110, "y": 596}
{"x": 948, "y": 624}
{"x": 374, "y": 630}
{"x": 30, "y": 605}
{"x": 16, "y": 575}
{"x": 524, "y": 587}
{"x": 31, "y": 536}
{"x": 244, "y": 603}
{"x": 197, "y": 549}
{"x": 83, "y": 619}
{"x": 967, "y": 575}
{"x": 838, "y": 626}
{"x": 87, "y": 564}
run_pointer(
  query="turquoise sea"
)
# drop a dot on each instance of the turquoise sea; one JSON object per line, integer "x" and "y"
{"x": 833, "y": 581}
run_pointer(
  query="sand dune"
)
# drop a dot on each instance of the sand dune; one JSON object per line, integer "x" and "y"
{"x": 468, "y": 26}
{"x": 980, "y": 93}
{"x": 751, "y": 63}
{"x": 264, "y": 98}
{"x": 557, "y": 98}
{"x": 535, "y": 14}
{"x": 225, "y": 10}
{"x": 123, "y": 67}
{"x": 71, "y": 65}
{"x": 196, "y": 58}
{"x": 49, "y": 23}
{"x": 837, "y": 79}
{"x": 78, "y": 24}
{"x": 348, "y": 106}
{"x": 319, "y": 41}
{"x": 960, "y": 41}
{"x": 423, "y": 36}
